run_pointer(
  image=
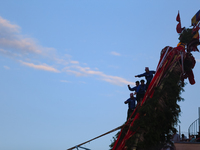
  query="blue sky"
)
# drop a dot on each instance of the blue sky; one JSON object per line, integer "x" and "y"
{"x": 65, "y": 66}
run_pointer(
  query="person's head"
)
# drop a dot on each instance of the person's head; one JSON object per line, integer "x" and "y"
{"x": 147, "y": 69}
{"x": 142, "y": 82}
{"x": 131, "y": 95}
{"x": 137, "y": 83}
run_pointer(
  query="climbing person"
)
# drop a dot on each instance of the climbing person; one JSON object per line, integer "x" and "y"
{"x": 135, "y": 87}
{"x": 140, "y": 92}
{"x": 131, "y": 105}
{"x": 148, "y": 76}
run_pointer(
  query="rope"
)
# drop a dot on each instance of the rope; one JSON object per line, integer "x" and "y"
{"x": 96, "y": 137}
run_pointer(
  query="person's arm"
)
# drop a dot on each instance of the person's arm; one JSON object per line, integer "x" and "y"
{"x": 127, "y": 101}
{"x": 140, "y": 75}
{"x": 131, "y": 89}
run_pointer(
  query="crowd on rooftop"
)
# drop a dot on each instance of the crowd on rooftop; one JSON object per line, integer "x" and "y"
{"x": 192, "y": 138}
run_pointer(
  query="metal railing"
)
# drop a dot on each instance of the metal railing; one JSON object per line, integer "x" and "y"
{"x": 194, "y": 128}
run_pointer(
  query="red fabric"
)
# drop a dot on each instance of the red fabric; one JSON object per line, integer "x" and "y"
{"x": 190, "y": 65}
{"x": 178, "y": 27}
{"x": 178, "y": 17}
{"x": 196, "y": 29}
{"x": 191, "y": 77}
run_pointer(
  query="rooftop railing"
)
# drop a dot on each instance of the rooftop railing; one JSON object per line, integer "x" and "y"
{"x": 194, "y": 128}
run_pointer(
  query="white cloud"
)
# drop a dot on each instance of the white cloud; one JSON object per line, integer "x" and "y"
{"x": 81, "y": 71}
{"x": 24, "y": 45}
{"x": 9, "y": 54}
{"x": 13, "y": 42}
{"x": 86, "y": 71}
{"x": 116, "y": 80}
{"x": 6, "y": 67}
{"x": 25, "y": 50}
{"x": 40, "y": 67}
{"x": 74, "y": 62}
{"x": 65, "y": 81}
{"x": 115, "y": 53}
{"x": 5, "y": 24}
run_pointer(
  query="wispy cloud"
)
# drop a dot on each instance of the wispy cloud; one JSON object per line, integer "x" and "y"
{"x": 22, "y": 44}
{"x": 65, "y": 81}
{"x": 9, "y": 54}
{"x": 86, "y": 71}
{"x": 115, "y": 53}
{"x": 5, "y": 24}
{"x": 40, "y": 67}
{"x": 13, "y": 42}
{"x": 74, "y": 62}
{"x": 27, "y": 51}
{"x": 6, "y": 67}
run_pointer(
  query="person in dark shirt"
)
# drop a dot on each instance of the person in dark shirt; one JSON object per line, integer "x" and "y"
{"x": 131, "y": 105}
{"x": 183, "y": 138}
{"x": 175, "y": 137}
{"x": 135, "y": 87}
{"x": 198, "y": 137}
{"x": 148, "y": 76}
{"x": 140, "y": 92}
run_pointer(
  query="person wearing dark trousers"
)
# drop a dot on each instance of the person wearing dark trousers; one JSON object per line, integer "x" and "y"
{"x": 140, "y": 92}
{"x": 131, "y": 105}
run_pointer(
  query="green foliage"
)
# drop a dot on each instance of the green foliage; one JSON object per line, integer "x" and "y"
{"x": 186, "y": 36}
{"x": 114, "y": 140}
{"x": 158, "y": 116}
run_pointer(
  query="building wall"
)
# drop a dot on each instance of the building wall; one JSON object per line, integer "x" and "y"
{"x": 187, "y": 146}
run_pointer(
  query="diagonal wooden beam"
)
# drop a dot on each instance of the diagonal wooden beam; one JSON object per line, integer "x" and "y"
{"x": 96, "y": 137}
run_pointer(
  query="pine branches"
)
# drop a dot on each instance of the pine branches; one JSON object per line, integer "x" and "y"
{"x": 158, "y": 115}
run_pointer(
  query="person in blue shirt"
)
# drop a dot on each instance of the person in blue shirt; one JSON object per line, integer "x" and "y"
{"x": 131, "y": 105}
{"x": 140, "y": 92}
{"x": 135, "y": 87}
{"x": 193, "y": 139}
{"x": 148, "y": 75}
